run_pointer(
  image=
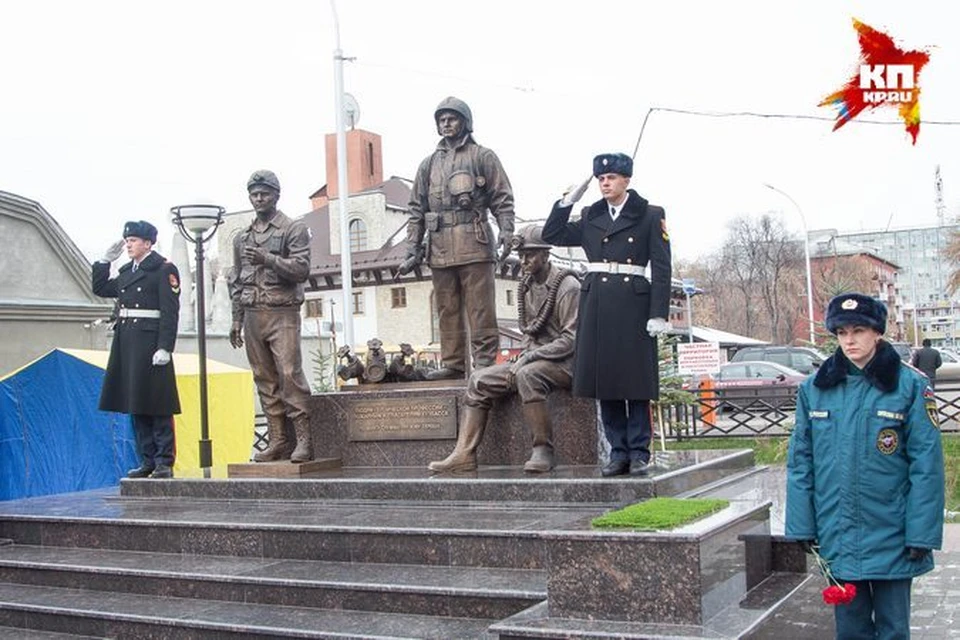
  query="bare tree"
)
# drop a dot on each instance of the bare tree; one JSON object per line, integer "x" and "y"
{"x": 778, "y": 256}
{"x": 754, "y": 285}
{"x": 951, "y": 253}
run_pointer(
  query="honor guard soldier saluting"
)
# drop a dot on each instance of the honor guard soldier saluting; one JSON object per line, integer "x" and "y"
{"x": 271, "y": 261}
{"x": 548, "y": 299}
{"x": 622, "y": 309}
{"x": 140, "y": 379}
{"x": 454, "y": 190}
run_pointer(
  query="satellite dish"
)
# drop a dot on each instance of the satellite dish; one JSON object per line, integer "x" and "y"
{"x": 351, "y": 110}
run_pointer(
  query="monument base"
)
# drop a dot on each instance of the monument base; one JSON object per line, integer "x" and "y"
{"x": 281, "y": 468}
{"x": 409, "y": 425}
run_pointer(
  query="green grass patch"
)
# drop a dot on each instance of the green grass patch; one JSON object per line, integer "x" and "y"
{"x": 659, "y": 513}
{"x": 772, "y": 450}
{"x": 951, "y": 462}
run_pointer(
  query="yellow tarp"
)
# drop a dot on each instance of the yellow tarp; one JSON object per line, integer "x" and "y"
{"x": 230, "y": 410}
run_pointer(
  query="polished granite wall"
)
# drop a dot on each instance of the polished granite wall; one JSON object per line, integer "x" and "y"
{"x": 683, "y": 577}
{"x": 506, "y": 440}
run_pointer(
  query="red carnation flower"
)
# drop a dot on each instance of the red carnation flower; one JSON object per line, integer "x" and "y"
{"x": 835, "y": 593}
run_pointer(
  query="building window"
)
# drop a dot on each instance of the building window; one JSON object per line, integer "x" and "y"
{"x": 398, "y": 297}
{"x": 314, "y": 308}
{"x": 509, "y": 297}
{"x": 358, "y": 235}
{"x": 358, "y": 303}
{"x": 370, "y": 157}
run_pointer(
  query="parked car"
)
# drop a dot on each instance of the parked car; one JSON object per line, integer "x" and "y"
{"x": 802, "y": 359}
{"x": 950, "y": 369}
{"x": 745, "y": 385}
{"x": 903, "y": 350}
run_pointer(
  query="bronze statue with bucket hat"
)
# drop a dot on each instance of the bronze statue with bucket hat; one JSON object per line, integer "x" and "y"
{"x": 456, "y": 190}
{"x": 547, "y": 308}
{"x": 271, "y": 261}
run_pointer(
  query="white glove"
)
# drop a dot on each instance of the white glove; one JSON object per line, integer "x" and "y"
{"x": 161, "y": 358}
{"x": 114, "y": 251}
{"x": 575, "y": 192}
{"x": 656, "y": 326}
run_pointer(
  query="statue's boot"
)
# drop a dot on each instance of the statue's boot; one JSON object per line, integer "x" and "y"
{"x": 444, "y": 373}
{"x": 278, "y": 445}
{"x": 464, "y": 454}
{"x": 537, "y": 417}
{"x": 304, "y": 450}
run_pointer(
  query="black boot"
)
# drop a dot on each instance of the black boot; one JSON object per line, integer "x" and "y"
{"x": 142, "y": 471}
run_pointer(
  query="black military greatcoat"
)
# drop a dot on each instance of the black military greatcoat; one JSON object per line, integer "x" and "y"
{"x": 132, "y": 383}
{"x": 616, "y": 359}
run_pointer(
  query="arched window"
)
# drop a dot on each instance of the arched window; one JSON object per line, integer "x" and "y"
{"x": 358, "y": 235}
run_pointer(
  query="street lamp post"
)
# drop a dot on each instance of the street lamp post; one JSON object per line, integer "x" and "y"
{"x": 197, "y": 223}
{"x": 346, "y": 267}
{"x": 806, "y": 253}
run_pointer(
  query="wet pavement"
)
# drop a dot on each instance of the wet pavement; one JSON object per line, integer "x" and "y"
{"x": 935, "y": 599}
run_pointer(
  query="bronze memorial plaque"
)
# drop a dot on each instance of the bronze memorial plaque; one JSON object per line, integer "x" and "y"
{"x": 402, "y": 419}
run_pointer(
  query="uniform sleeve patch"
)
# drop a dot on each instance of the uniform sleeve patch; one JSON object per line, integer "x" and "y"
{"x": 933, "y": 413}
{"x": 818, "y": 414}
{"x": 893, "y": 415}
{"x": 174, "y": 283}
{"x": 887, "y": 441}
{"x": 663, "y": 230}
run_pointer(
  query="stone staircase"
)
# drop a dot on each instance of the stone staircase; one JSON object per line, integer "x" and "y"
{"x": 382, "y": 553}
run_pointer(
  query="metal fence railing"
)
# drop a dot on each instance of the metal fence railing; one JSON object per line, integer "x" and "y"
{"x": 757, "y": 411}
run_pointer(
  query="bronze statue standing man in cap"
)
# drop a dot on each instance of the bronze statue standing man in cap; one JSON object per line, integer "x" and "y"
{"x": 548, "y": 299}
{"x": 624, "y": 306}
{"x": 140, "y": 379}
{"x": 271, "y": 261}
{"x": 454, "y": 190}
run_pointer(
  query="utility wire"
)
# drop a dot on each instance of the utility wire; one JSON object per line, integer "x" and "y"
{"x": 774, "y": 116}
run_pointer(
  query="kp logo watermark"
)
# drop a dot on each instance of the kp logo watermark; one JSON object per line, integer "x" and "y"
{"x": 887, "y": 76}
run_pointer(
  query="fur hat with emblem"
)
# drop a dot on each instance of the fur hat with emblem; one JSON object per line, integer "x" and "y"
{"x": 856, "y": 309}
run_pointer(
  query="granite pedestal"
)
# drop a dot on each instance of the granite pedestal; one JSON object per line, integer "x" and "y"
{"x": 410, "y": 425}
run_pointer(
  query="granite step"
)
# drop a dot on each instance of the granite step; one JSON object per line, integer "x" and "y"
{"x": 431, "y": 534}
{"x": 737, "y": 620}
{"x": 429, "y": 590}
{"x": 671, "y": 473}
{"x": 126, "y": 615}
{"x": 11, "y": 633}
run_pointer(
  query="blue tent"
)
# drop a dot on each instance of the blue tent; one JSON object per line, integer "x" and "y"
{"x": 53, "y": 439}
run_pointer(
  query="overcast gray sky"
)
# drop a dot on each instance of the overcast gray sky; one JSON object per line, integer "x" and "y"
{"x": 116, "y": 110}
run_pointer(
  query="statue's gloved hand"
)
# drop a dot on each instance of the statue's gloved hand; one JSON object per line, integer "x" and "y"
{"x": 505, "y": 244}
{"x": 574, "y": 192}
{"x": 236, "y": 335}
{"x": 255, "y": 255}
{"x": 114, "y": 250}
{"x": 656, "y": 326}
{"x": 522, "y": 360}
{"x": 161, "y": 357}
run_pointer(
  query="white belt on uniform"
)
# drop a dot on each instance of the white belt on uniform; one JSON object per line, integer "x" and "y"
{"x": 139, "y": 313}
{"x": 617, "y": 267}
